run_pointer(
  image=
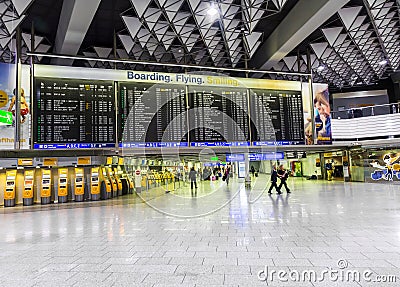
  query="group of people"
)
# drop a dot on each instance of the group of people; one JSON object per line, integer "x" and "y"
{"x": 283, "y": 175}
{"x": 193, "y": 176}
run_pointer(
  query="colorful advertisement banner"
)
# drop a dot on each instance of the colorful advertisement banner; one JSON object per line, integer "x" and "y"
{"x": 7, "y": 106}
{"x": 322, "y": 114}
{"x": 386, "y": 166}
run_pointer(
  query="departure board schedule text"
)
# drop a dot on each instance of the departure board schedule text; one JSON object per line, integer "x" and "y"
{"x": 277, "y": 116}
{"x": 218, "y": 115}
{"x": 74, "y": 111}
{"x": 153, "y": 113}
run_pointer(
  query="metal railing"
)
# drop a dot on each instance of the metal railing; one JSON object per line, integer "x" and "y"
{"x": 367, "y": 111}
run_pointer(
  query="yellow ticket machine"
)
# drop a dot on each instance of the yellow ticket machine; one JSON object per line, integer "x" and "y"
{"x": 45, "y": 192}
{"x": 95, "y": 184}
{"x": 27, "y": 196}
{"x": 62, "y": 185}
{"x": 131, "y": 184}
{"x": 118, "y": 180}
{"x": 114, "y": 185}
{"x": 107, "y": 184}
{"x": 79, "y": 188}
{"x": 9, "y": 192}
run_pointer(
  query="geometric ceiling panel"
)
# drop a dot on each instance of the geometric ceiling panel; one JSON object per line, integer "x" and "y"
{"x": 360, "y": 44}
{"x": 226, "y": 30}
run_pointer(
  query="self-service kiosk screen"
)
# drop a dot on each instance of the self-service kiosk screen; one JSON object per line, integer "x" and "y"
{"x": 218, "y": 114}
{"x": 152, "y": 113}
{"x": 10, "y": 183}
{"x": 95, "y": 179}
{"x": 277, "y": 116}
{"x": 74, "y": 114}
{"x": 78, "y": 179}
{"x": 63, "y": 180}
{"x": 45, "y": 182}
{"x": 28, "y": 182}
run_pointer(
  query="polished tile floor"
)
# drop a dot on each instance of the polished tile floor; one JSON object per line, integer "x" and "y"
{"x": 218, "y": 236}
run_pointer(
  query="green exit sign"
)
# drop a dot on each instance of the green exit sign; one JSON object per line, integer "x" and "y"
{"x": 215, "y": 158}
{"x": 6, "y": 118}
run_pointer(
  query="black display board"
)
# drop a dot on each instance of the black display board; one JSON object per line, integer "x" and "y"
{"x": 277, "y": 116}
{"x": 152, "y": 114}
{"x": 77, "y": 113}
{"x": 218, "y": 115}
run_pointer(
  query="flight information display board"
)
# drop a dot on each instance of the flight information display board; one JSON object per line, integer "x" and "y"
{"x": 218, "y": 116}
{"x": 153, "y": 115}
{"x": 73, "y": 114}
{"x": 277, "y": 117}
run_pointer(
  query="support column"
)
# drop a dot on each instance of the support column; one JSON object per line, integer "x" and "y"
{"x": 311, "y": 93}
{"x": 17, "y": 92}
{"x": 346, "y": 166}
{"x": 247, "y": 170}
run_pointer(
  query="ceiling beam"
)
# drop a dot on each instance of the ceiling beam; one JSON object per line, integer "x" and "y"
{"x": 75, "y": 19}
{"x": 305, "y": 17}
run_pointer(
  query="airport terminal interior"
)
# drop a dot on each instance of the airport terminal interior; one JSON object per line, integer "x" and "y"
{"x": 199, "y": 143}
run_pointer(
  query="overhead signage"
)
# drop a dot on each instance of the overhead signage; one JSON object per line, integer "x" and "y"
{"x": 25, "y": 162}
{"x": 73, "y": 146}
{"x": 219, "y": 144}
{"x": 153, "y": 145}
{"x": 85, "y": 160}
{"x": 266, "y": 156}
{"x": 235, "y": 157}
{"x": 151, "y": 77}
{"x": 255, "y": 157}
{"x": 278, "y": 143}
{"x": 50, "y": 161}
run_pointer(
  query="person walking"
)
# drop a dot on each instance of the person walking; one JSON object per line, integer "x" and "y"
{"x": 227, "y": 174}
{"x": 283, "y": 176}
{"x": 274, "y": 179}
{"x": 192, "y": 178}
{"x": 252, "y": 170}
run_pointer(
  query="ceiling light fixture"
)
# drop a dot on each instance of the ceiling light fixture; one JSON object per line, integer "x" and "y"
{"x": 212, "y": 11}
{"x": 383, "y": 62}
{"x": 321, "y": 68}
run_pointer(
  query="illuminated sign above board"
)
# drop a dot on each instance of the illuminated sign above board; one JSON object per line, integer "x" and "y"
{"x": 219, "y": 80}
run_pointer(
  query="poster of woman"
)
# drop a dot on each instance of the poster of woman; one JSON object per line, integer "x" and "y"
{"x": 319, "y": 104}
{"x": 322, "y": 117}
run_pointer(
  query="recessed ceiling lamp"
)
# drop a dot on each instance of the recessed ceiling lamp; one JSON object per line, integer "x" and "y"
{"x": 321, "y": 68}
{"x": 212, "y": 11}
{"x": 383, "y": 62}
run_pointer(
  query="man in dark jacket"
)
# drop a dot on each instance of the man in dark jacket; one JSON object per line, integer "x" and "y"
{"x": 274, "y": 179}
{"x": 283, "y": 176}
{"x": 192, "y": 177}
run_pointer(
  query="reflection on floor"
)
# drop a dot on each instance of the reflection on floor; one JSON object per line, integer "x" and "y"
{"x": 223, "y": 235}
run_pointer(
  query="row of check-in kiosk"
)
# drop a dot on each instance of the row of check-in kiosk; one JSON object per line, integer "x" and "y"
{"x": 49, "y": 185}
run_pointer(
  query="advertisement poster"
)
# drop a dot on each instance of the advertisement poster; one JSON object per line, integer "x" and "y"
{"x": 322, "y": 114}
{"x": 383, "y": 166}
{"x": 7, "y": 104}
